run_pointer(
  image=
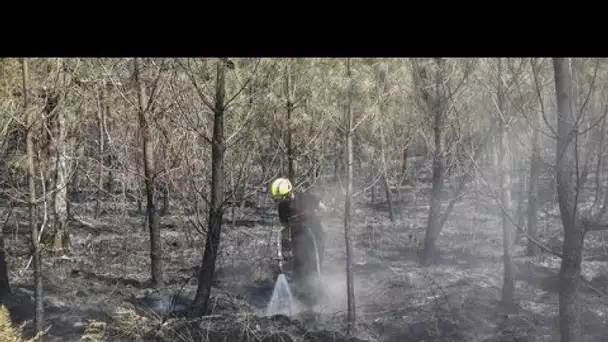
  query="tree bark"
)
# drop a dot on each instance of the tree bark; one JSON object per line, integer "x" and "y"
{"x": 57, "y": 171}
{"x": 289, "y": 108}
{"x": 599, "y": 164}
{"x": 164, "y": 209}
{"x": 61, "y": 235}
{"x": 5, "y": 288}
{"x": 382, "y": 90}
{"x": 100, "y": 149}
{"x": 504, "y": 176}
{"x": 216, "y": 210}
{"x": 350, "y": 288}
{"x": 569, "y": 275}
{"x": 521, "y": 199}
{"x": 433, "y": 223}
{"x": 35, "y": 244}
{"x": 110, "y": 158}
{"x": 404, "y": 166}
{"x": 535, "y": 166}
{"x": 149, "y": 173}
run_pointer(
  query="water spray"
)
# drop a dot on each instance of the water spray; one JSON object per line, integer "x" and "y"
{"x": 281, "y": 301}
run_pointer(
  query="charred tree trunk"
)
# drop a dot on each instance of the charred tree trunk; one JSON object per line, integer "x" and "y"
{"x": 57, "y": 234}
{"x": 404, "y": 166}
{"x": 164, "y": 209}
{"x": 504, "y": 176}
{"x": 110, "y": 183}
{"x": 289, "y": 107}
{"x": 110, "y": 158}
{"x": 433, "y": 223}
{"x": 583, "y": 153}
{"x": 382, "y": 90}
{"x": 599, "y": 164}
{"x": 218, "y": 147}
{"x": 605, "y": 204}
{"x": 389, "y": 197}
{"x": 521, "y": 199}
{"x": 138, "y": 159}
{"x": 100, "y": 151}
{"x": 373, "y": 192}
{"x": 350, "y": 288}
{"x": 570, "y": 270}
{"x": 61, "y": 237}
{"x": 74, "y": 181}
{"x": 5, "y": 288}
{"x": 535, "y": 168}
{"x": 149, "y": 174}
{"x": 29, "y": 145}
{"x": 314, "y": 159}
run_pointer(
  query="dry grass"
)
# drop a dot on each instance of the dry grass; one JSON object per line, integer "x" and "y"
{"x": 11, "y": 333}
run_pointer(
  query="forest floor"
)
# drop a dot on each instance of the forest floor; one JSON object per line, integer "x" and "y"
{"x": 99, "y": 286}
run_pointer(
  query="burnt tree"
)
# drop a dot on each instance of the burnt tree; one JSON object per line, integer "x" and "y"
{"x": 503, "y": 168}
{"x": 149, "y": 173}
{"x": 436, "y": 103}
{"x": 289, "y": 106}
{"x": 570, "y": 270}
{"x": 348, "y": 134}
{"x": 216, "y": 209}
{"x": 31, "y": 181}
{"x": 535, "y": 169}
{"x": 382, "y": 92}
{"x": 5, "y": 288}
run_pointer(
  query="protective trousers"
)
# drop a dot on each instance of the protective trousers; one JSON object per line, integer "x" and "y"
{"x": 307, "y": 244}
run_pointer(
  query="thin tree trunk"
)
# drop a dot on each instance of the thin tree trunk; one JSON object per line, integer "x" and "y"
{"x": 404, "y": 166}
{"x": 504, "y": 166}
{"x": 110, "y": 158}
{"x": 599, "y": 164}
{"x": 532, "y": 249}
{"x": 521, "y": 199}
{"x": 164, "y": 210}
{"x": 218, "y": 147}
{"x": 61, "y": 240}
{"x": 149, "y": 173}
{"x": 350, "y": 288}
{"x": 383, "y": 89}
{"x": 433, "y": 223}
{"x": 138, "y": 159}
{"x": 569, "y": 275}
{"x": 389, "y": 197}
{"x": 605, "y": 204}
{"x": 100, "y": 151}
{"x": 5, "y": 288}
{"x": 29, "y": 143}
{"x": 373, "y": 190}
{"x": 289, "y": 107}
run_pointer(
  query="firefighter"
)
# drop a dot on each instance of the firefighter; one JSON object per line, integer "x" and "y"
{"x": 302, "y": 238}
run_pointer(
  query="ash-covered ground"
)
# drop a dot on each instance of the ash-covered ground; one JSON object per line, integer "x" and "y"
{"x": 104, "y": 278}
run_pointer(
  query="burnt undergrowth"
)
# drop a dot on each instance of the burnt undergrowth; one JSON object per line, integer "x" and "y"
{"x": 101, "y": 288}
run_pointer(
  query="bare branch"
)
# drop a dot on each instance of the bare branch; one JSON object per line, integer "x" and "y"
{"x": 253, "y": 73}
{"x": 198, "y": 89}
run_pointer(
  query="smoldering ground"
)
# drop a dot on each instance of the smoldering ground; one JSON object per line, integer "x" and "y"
{"x": 396, "y": 299}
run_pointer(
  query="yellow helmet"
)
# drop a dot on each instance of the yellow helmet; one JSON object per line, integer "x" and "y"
{"x": 280, "y": 188}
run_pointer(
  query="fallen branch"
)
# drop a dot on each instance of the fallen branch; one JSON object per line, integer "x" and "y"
{"x": 83, "y": 222}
